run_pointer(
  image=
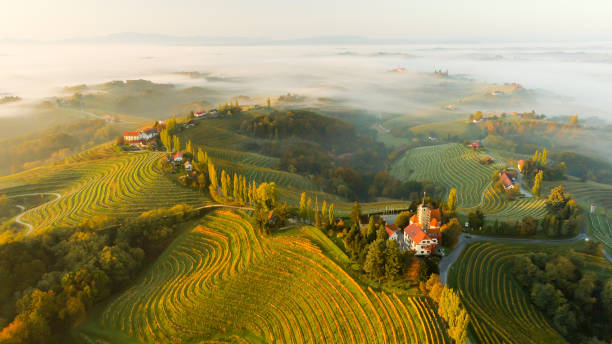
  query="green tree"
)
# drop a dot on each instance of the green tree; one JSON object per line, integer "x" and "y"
{"x": 452, "y": 200}
{"x": 371, "y": 233}
{"x": 374, "y": 264}
{"x": 393, "y": 266}
{"x": 403, "y": 219}
{"x": 355, "y": 213}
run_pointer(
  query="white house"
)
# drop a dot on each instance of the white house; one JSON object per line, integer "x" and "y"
{"x": 188, "y": 166}
{"x": 418, "y": 241}
{"x": 177, "y": 157}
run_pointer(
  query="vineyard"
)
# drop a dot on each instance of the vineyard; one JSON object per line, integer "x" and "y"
{"x": 222, "y": 282}
{"x": 448, "y": 165}
{"x": 585, "y": 192}
{"x": 600, "y": 228}
{"x": 115, "y": 184}
{"x": 495, "y": 206}
{"x": 499, "y": 309}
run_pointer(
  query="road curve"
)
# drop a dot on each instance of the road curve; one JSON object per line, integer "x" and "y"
{"x": 18, "y": 218}
{"x": 465, "y": 239}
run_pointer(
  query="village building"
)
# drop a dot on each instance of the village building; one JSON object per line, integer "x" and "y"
{"x": 418, "y": 241}
{"x": 177, "y": 157}
{"x": 507, "y": 179}
{"x": 423, "y": 233}
{"x": 188, "y": 166}
{"x": 140, "y": 137}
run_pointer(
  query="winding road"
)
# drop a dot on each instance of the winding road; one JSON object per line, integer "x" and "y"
{"x": 465, "y": 239}
{"x": 23, "y": 209}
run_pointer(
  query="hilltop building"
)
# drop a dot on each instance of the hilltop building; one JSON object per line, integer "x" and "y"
{"x": 140, "y": 137}
{"x": 423, "y": 233}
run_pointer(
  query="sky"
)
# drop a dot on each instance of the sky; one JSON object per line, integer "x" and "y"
{"x": 520, "y": 20}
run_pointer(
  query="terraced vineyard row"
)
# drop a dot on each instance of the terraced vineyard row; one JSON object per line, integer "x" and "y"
{"x": 450, "y": 165}
{"x": 123, "y": 185}
{"x": 242, "y": 157}
{"x": 263, "y": 174}
{"x": 585, "y": 192}
{"x": 221, "y": 281}
{"x": 495, "y": 206}
{"x": 499, "y": 309}
{"x": 600, "y": 229}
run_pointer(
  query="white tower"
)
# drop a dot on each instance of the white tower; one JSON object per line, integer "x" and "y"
{"x": 424, "y": 215}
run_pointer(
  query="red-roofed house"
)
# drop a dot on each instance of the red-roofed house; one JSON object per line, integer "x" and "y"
{"x": 188, "y": 166}
{"x": 505, "y": 179}
{"x": 418, "y": 241}
{"x": 131, "y": 137}
{"x": 177, "y": 157}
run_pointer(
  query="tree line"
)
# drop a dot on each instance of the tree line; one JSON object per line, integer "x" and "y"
{"x": 578, "y": 302}
{"x": 50, "y": 281}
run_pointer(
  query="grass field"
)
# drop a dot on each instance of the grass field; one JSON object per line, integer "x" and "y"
{"x": 499, "y": 309}
{"x": 99, "y": 182}
{"x": 220, "y": 282}
{"x": 448, "y": 165}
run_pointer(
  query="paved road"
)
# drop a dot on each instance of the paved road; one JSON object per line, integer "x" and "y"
{"x": 465, "y": 239}
{"x": 18, "y": 218}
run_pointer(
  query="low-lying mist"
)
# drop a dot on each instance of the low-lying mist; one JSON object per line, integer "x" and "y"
{"x": 563, "y": 80}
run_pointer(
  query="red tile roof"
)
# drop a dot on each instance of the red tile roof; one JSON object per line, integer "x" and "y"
{"x": 415, "y": 233}
{"x": 130, "y": 133}
{"x": 505, "y": 180}
{"x": 433, "y": 222}
{"x": 391, "y": 229}
{"x": 435, "y": 214}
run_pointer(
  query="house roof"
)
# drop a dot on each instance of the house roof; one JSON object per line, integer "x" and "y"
{"x": 505, "y": 179}
{"x": 130, "y": 133}
{"x": 433, "y": 223}
{"x": 435, "y": 214}
{"x": 415, "y": 233}
{"x": 414, "y": 218}
{"x": 177, "y": 155}
{"x": 390, "y": 229}
{"x": 187, "y": 163}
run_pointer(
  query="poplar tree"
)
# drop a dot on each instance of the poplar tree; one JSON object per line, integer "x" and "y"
{"x": 189, "y": 149}
{"x": 330, "y": 213}
{"x": 543, "y": 157}
{"x": 324, "y": 211}
{"x": 236, "y": 188}
{"x": 176, "y": 143}
{"x": 452, "y": 200}
{"x": 303, "y": 213}
{"x": 537, "y": 183}
{"x": 309, "y": 209}
{"x": 224, "y": 186}
{"x": 212, "y": 175}
{"x": 200, "y": 156}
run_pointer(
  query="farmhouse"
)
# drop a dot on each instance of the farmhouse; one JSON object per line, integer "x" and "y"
{"x": 177, "y": 157}
{"x": 140, "y": 137}
{"x": 188, "y": 166}
{"x": 507, "y": 180}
